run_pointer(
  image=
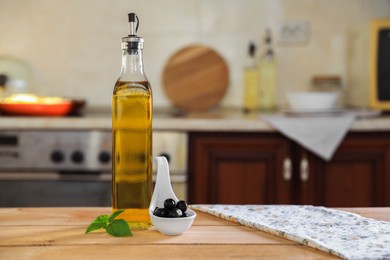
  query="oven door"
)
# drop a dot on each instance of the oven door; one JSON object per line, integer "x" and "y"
{"x": 54, "y": 189}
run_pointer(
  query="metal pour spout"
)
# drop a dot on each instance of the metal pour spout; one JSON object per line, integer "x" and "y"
{"x": 134, "y": 22}
{"x": 132, "y": 42}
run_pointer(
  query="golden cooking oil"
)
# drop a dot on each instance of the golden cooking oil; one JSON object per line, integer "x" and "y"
{"x": 132, "y": 135}
{"x": 132, "y": 146}
{"x": 267, "y": 81}
{"x": 251, "y": 84}
{"x": 251, "y": 90}
{"x": 267, "y": 76}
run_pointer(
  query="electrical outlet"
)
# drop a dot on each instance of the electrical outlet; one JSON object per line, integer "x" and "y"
{"x": 294, "y": 32}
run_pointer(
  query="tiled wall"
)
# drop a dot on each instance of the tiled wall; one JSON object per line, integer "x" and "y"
{"x": 74, "y": 45}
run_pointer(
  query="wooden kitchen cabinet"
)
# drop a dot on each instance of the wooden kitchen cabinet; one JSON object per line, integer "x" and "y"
{"x": 267, "y": 168}
{"x": 233, "y": 168}
{"x": 357, "y": 176}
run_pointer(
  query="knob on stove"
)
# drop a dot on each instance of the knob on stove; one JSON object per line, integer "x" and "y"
{"x": 57, "y": 156}
{"x": 77, "y": 157}
{"x": 104, "y": 157}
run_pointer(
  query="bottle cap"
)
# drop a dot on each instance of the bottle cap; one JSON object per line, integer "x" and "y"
{"x": 268, "y": 41}
{"x": 252, "y": 49}
{"x": 132, "y": 41}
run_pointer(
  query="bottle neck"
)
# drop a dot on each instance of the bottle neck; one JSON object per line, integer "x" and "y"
{"x": 132, "y": 65}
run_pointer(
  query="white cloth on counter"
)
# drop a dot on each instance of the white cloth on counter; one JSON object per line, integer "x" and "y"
{"x": 319, "y": 134}
{"x": 337, "y": 232}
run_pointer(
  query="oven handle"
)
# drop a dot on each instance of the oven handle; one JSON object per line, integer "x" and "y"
{"x": 53, "y": 176}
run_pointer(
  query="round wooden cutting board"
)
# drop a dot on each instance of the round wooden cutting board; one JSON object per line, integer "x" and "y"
{"x": 195, "y": 78}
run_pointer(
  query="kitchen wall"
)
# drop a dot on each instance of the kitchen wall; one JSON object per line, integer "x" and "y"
{"x": 74, "y": 45}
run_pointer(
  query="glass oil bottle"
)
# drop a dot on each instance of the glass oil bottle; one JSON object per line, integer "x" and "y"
{"x": 267, "y": 76}
{"x": 132, "y": 134}
{"x": 251, "y": 87}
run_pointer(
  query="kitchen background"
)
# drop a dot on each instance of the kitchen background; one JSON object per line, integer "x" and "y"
{"x": 74, "y": 46}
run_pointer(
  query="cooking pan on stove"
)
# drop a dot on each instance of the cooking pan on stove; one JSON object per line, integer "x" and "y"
{"x": 61, "y": 108}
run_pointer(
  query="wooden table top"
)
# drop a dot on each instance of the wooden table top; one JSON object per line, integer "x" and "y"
{"x": 58, "y": 233}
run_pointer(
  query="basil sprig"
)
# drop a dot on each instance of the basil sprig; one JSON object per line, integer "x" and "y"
{"x": 114, "y": 227}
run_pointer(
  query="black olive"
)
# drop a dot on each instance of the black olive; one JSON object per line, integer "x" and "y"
{"x": 161, "y": 212}
{"x": 172, "y": 209}
{"x": 169, "y": 204}
{"x": 175, "y": 213}
{"x": 182, "y": 205}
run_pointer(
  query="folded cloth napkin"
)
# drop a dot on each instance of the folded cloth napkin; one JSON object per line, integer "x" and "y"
{"x": 320, "y": 135}
{"x": 337, "y": 232}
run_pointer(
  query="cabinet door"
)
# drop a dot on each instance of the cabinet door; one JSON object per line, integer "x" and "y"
{"x": 238, "y": 168}
{"x": 357, "y": 176}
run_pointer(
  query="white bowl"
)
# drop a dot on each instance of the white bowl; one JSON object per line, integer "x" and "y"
{"x": 312, "y": 101}
{"x": 173, "y": 226}
{"x": 162, "y": 191}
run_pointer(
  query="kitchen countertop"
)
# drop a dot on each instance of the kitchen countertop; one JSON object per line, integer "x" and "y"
{"x": 215, "y": 120}
{"x": 58, "y": 233}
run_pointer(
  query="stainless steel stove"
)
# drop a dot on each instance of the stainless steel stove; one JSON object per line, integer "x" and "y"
{"x": 61, "y": 151}
{"x": 62, "y": 167}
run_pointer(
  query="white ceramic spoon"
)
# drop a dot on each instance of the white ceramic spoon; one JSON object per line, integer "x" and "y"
{"x": 162, "y": 191}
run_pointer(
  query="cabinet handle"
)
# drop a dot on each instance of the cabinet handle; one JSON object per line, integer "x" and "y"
{"x": 287, "y": 169}
{"x": 304, "y": 169}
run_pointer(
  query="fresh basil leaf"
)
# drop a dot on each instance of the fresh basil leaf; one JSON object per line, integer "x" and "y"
{"x": 115, "y": 227}
{"x": 94, "y": 226}
{"x": 100, "y": 222}
{"x": 119, "y": 228}
{"x": 102, "y": 218}
{"x": 114, "y": 215}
